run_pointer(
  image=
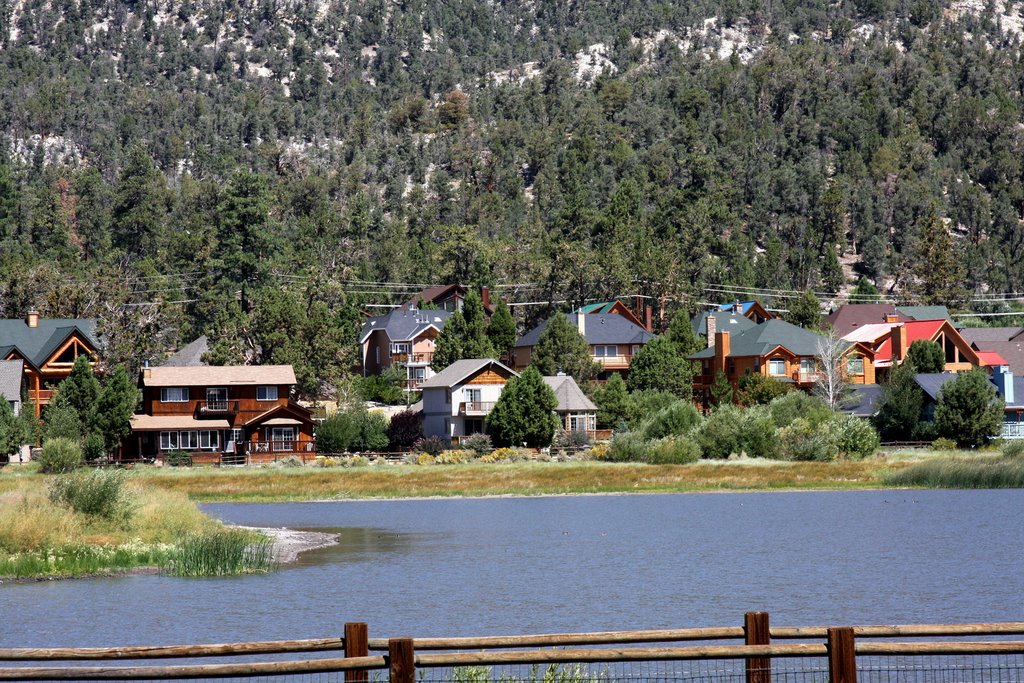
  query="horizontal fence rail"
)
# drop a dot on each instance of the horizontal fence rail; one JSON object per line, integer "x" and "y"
{"x": 839, "y": 655}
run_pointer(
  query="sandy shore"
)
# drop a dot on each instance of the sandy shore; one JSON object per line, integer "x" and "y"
{"x": 289, "y": 543}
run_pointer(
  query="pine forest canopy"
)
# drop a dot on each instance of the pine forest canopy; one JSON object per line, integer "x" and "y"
{"x": 239, "y": 169}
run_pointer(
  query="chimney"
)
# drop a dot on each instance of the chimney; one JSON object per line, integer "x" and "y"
{"x": 147, "y": 371}
{"x": 581, "y": 322}
{"x": 712, "y": 329}
{"x": 485, "y": 296}
{"x": 898, "y": 335}
{"x": 1003, "y": 378}
{"x": 721, "y": 350}
{"x": 32, "y": 319}
{"x": 648, "y": 318}
{"x": 891, "y": 318}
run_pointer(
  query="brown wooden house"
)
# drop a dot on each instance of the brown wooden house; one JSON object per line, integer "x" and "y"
{"x": 220, "y": 414}
{"x": 48, "y": 349}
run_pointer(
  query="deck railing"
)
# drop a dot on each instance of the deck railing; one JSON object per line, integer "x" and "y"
{"x": 836, "y": 654}
{"x": 1013, "y": 430}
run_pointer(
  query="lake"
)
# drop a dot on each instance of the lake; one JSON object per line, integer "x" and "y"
{"x": 581, "y": 563}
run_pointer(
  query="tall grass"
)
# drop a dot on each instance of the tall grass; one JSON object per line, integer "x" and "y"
{"x": 552, "y": 673}
{"x": 224, "y": 552}
{"x": 976, "y": 472}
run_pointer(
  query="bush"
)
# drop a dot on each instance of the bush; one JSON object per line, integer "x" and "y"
{"x": 565, "y": 438}
{"x": 457, "y": 457}
{"x": 757, "y": 389}
{"x": 93, "y": 448}
{"x": 628, "y": 447}
{"x": 672, "y": 420}
{"x": 290, "y": 461}
{"x": 1013, "y": 449}
{"x": 801, "y": 440}
{"x": 419, "y": 459}
{"x": 60, "y": 454}
{"x": 855, "y": 438}
{"x": 405, "y": 428}
{"x": 506, "y": 455}
{"x": 672, "y": 451}
{"x": 797, "y": 404}
{"x": 61, "y": 421}
{"x": 99, "y": 493}
{"x": 337, "y": 433}
{"x": 178, "y": 459}
{"x": 647, "y": 403}
{"x": 373, "y": 432}
{"x": 478, "y": 443}
{"x": 431, "y": 445}
{"x": 730, "y": 430}
{"x": 943, "y": 444}
{"x": 598, "y": 451}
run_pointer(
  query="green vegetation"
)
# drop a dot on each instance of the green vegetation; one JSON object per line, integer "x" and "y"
{"x": 561, "y": 348}
{"x": 223, "y": 552}
{"x": 466, "y": 334}
{"x": 973, "y": 472}
{"x": 59, "y": 454}
{"x": 98, "y": 493}
{"x": 524, "y": 413}
{"x": 969, "y": 410}
{"x": 353, "y": 430}
{"x": 926, "y": 356}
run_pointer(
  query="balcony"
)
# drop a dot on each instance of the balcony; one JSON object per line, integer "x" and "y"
{"x": 612, "y": 362}
{"x": 412, "y": 384}
{"x": 218, "y": 407}
{"x": 806, "y": 377}
{"x": 42, "y": 397}
{"x": 476, "y": 407}
{"x": 1013, "y": 430}
{"x": 417, "y": 358}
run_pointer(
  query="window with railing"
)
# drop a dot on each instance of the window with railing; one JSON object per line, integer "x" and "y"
{"x": 283, "y": 438}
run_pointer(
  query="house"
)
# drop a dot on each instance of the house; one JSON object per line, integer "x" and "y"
{"x": 752, "y": 310}
{"x": 707, "y": 323}
{"x": 775, "y": 349}
{"x": 12, "y": 381}
{"x": 457, "y": 400}
{"x": 449, "y": 298}
{"x": 613, "y": 340}
{"x": 219, "y": 414}
{"x": 48, "y": 348}
{"x": 404, "y": 337}
{"x": 886, "y": 344}
{"x": 190, "y": 355}
{"x": 850, "y": 317}
{"x": 1008, "y": 386}
{"x": 642, "y": 316}
{"x": 576, "y": 412}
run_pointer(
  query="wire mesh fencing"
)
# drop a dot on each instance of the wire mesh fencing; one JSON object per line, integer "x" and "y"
{"x": 981, "y": 668}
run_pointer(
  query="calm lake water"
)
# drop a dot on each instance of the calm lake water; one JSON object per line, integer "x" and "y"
{"x": 526, "y": 565}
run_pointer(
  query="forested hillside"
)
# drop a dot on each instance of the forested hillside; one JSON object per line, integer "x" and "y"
{"x": 244, "y": 169}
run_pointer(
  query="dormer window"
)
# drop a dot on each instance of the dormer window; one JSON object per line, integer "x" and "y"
{"x": 266, "y": 393}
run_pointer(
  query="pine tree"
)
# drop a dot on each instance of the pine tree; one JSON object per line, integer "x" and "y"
{"x": 81, "y": 391}
{"x": 502, "y": 329}
{"x": 680, "y": 332}
{"x": 832, "y": 276}
{"x": 864, "y": 292}
{"x": 115, "y": 408}
{"x": 524, "y": 413}
{"x": 12, "y": 431}
{"x": 561, "y": 348}
{"x": 139, "y": 206}
{"x": 448, "y": 347}
{"x": 659, "y": 366}
{"x": 721, "y": 390}
{"x": 938, "y": 271}
{"x": 969, "y": 410}
{"x": 926, "y": 356}
{"x": 476, "y": 343}
{"x": 805, "y": 311}
{"x": 613, "y": 404}
{"x": 899, "y": 411}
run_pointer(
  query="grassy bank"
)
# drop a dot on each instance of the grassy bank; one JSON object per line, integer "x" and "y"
{"x": 406, "y": 481}
{"x": 48, "y": 534}
{"x": 979, "y": 471}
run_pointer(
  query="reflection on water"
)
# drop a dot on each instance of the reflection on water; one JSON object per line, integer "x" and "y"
{"x": 529, "y": 565}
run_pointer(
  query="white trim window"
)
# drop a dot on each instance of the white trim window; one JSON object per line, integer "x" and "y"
{"x": 168, "y": 441}
{"x": 283, "y": 438}
{"x": 777, "y": 367}
{"x": 174, "y": 394}
{"x": 855, "y": 365}
{"x": 188, "y": 440}
{"x": 266, "y": 393}
{"x": 606, "y": 351}
{"x": 209, "y": 439}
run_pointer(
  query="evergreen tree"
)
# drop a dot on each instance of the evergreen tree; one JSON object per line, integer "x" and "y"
{"x": 864, "y": 292}
{"x": 832, "y": 276}
{"x": 448, "y": 347}
{"x": 12, "y": 431}
{"x": 60, "y": 420}
{"x": 613, "y": 403}
{"x": 115, "y": 408}
{"x": 476, "y": 343}
{"x": 139, "y": 206}
{"x": 938, "y": 267}
{"x": 805, "y": 311}
{"x": 899, "y": 410}
{"x": 81, "y": 391}
{"x": 561, "y": 348}
{"x": 659, "y": 366}
{"x": 680, "y": 332}
{"x": 926, "y": 356}
{"x": 524, "y": 413}
{"x": 969, "y": 410}
{"x": 502, "y": 329}
{"x": 721, "y": 390}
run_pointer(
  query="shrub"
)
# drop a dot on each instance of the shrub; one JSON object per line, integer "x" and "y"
{"x": 730, "y": 430}
{"x": 326, "y": 461}
{"x": 1013, "y": 449}
{"x": 672, "y": 420}
{"x": 757, "y": 434}
{"x": 420, "y": 459}
{"x": 431, "y": 445}
{"x": 943, "y": 444}
{"x": 290, "y": 461}
{"x": 457, "y": 457}
{"x": 506, "y": 455}
{"x": 672, "y": 451}
{"x": 99, "y": 493}
{"x": 647, "y": 403}
{"x": 628, "y": 447}
{"x": 478, "y": 443}
{"x": 93, "y": 448}
{"x": 373, "y": 432}
{"x": 60, "y": 454}
{"x": 797, "y": 404}
{"x": 61, "y": 421}
{"x": 855, "y": 438}
{"x": 801, "y": 440}
{"x": 222, "y": 553}
{"x": 565, "y": 438}
{"x": 405, "y": 428}
{"x": 337, "y": 433}
{"x": 599, "y": 451}
{"x": 178, "y": 459}
{"x": 757, "y": 389}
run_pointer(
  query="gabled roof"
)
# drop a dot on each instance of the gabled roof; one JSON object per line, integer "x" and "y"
{"x": 303, "y": 414}
{"x": 1011, "y": 351}
{"x": 871, "y": 333}
{"x": 991, "y": 358}
{"x": 932, "y": 382}
{"x": 463, "y": 369}
{"x": 190, "y": 355}
{"x": 11, "y": 375}
{"x": 37, "y": 344}
{"x": 440, "y": 293}
{"x": 917, "y": 330}
{"x": 218, "y": 376}
{"x": 979, "y": 336}
{"x": 616, "y": 307}
{"x": 924, "y": 312}
{"x": 762, "y": 339}
{"x": 598, "y": 328}
{"x": 737, "y": 307}
{"x": 570, "y": 397}
{"x": 724, "y": 322}
{"x": 850, "y": 317}
{"x": 862, "y": 400}
{"x": 404, "y": 324}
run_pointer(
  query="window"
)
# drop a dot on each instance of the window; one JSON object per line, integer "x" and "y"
{"x": 283, "y": 438}
{"x": 236, "y": 436}
{"x": 209, "y": 439}
{"x": 266, "y": 393}
{"x": 731, "y": 365}
{"x": 168, "y": 441}
{"x": 174, "y": 395}
{"x": 188, "y": 440}
{"x": 400, "y": 347}
{"x": 472, "y": 395}
{"x": 418, "y": 373}
{"x": 608, "y": 351}
{"x": 808, "y": 365}
{"x": 217, "y": 398}
{"x": 581, "y": 422}
{"x": 777, "y": 367}
{"x": 855, "y": 365}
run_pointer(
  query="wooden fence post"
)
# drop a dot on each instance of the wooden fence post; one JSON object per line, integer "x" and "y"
{"x": 755, "y": 632}
{"x": 401, "y": 661}
{"x": 356, "y": 645}
{"x": 842, "y": 657}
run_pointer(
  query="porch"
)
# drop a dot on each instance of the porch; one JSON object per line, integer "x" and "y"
{"x": 1013, "y": 430}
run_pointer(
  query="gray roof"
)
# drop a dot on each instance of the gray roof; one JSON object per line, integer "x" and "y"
{"x": 570, "y": 397}
{"x": 932, "y": 382}
{"x": 983, "y": 335}
{"x": 1011, "y": 351}
{"x": 404, "y": 324}
{"x": 724, "y": 322}
{"x": 38, "y": 343}
{"x": 925, "y": 312}
{"x": 460, "y": 370}
{"x": 761, "y": 339}
{"x": 11, "y": 374}
{"x": 190, "y": 355}
{"x": 862, "y": 400}
{"x": 598, "y": 328}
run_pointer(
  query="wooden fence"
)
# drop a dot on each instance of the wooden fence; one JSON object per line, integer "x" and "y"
{"x": 404, "y": 658}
